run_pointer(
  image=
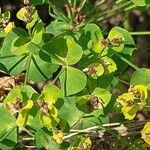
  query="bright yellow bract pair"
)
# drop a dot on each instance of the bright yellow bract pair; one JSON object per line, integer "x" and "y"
{"x": 146, "y": 133}
{"x": 133, "y": 101}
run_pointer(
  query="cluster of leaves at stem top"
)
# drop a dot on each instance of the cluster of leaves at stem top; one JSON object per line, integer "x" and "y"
{"x": 86, "y": 65}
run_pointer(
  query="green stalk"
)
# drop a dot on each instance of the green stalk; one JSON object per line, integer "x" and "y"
{"x": 27, "y": 69}
{"x": 140, "y": 33}
{"x": 74, "y": 7}
{"x": 101, "y": 2}
{"x": 113, "y": 12}
{"x": 119, "y": 1}
{"x": 127, "y": 61}
{"x": 70, "y": 13}
{"x": 61, "y": 71}
{"x": 58, "y": 12}
{"x": 109, "y": 11}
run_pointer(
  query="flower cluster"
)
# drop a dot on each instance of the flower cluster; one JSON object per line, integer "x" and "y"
{"x": 26, "y": 13}
{"x": 146, "y": 133}
{"x": 105, "y": 65}
{"x": 5, "y": 25}
{"x": 133, "y": 101}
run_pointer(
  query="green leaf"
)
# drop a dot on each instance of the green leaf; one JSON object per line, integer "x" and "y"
{"x": 39, "y": 70}
{"x": 57, "y": 27}
{"x": 116, "y": 34}
{"x": 7, "y": 44}
{"x": 141, "y": 77}
{"x": 8, "y": 132}
{"x": 23, "y": 93}
{"x": 129, "y": 45}
{"x": 71, "y": 78}
{"x": 69, "y": 112}
{"x": 43, "y": 139}
{"x": 10, "y": 141}
{"x": 109, "y": 65}
{"x": 74, "y": 52}
{"x": 51, "y": 93}
{"x": 34, "y": 119}
{"x": 90, "y": 38}
{"x": 67, "y": 50}
{"x": 103, "y": 94}
{"x": 87, "y": 122}
{"x": 105, "y": 80}
{"x": 94, "y": 70}
{"x": 20, "y": 46}
{"x": 38, "y": 32}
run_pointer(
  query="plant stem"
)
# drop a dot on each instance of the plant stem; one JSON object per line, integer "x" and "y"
{"x": 58, "y": 12}
{"x": 140, "y": 33}
{"x": 61, "y": 71}
{"x": 110, "y": 13}
{"x": 28, "y": 132}
{"x": 74, "y": 7}
{"x": 27, "y": 139}
{"x": 101, "y": 2}
{"x": 124, "y": 82}
{"x": 27, "y": 69}
{"x": 122, "y": 128}
{"x": 119, "y": 1}
{"x": 69, "y": 11}
{"x": 127, "y": 61}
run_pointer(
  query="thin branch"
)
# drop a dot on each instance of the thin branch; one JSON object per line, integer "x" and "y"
{"x": 61, "y": 71}
{"x": 124, "y": 129}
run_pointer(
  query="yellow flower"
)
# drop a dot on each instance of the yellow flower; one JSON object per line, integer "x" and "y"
{"x": 126, "y": 99}
{"x": 146, "y": 133}
{"x": 9, "y": 27}
{"x": 47, "y": 121}
{"x": 58, "y": 136}
{"x": 130, "y": 112}
{"x": 53, "y": 110}
{"x": 23, "y": 114}
{"x": 86, "y": 144}
{"x": 139, "y": 92}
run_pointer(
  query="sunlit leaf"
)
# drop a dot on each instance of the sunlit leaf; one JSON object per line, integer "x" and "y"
{"x": 71, "y": 78}
{"x": 51, "y": 93}
{"x": 23, "y": 114}
{"x": 9, "y": 27}
{"x": 141, "y": 77}
{"x": 109, "y": 65}
{"x": 103, "y": 94}
{"x": 117, "y": 40}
